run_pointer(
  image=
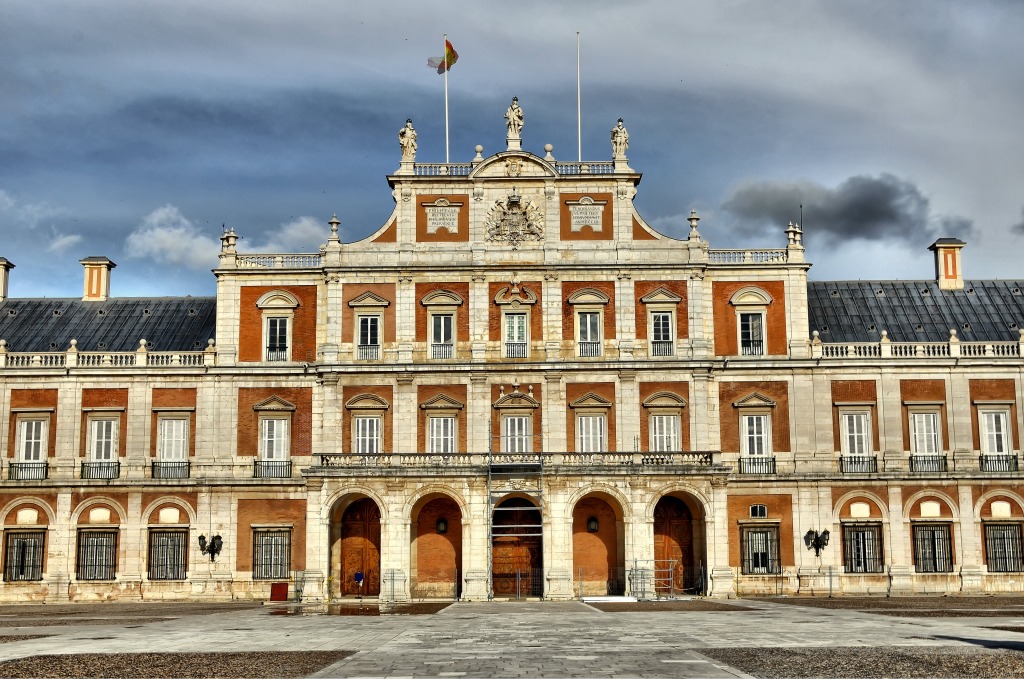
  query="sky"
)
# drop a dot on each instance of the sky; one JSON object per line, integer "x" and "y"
{"x": 136, "y": 130}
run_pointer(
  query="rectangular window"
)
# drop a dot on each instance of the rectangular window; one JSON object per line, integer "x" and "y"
{"x": 366, "y": 431}
{"x": 23, "y": 555}
{"x": 103, "y": 439}
{"x": 862, "y": 548}
{"x": 1003, "y": 548}
{"x": 271, "y": 554}
{"x": 32, "y": 440}
{"x": 856, "y": 434}
{"x": 933, "y": 548}
{"x": 172, "y": 439}
{"x": 752, "y": 334}
{"x": 761, "y": 550}
{"x": 754, "y": 435}
{"x": 277, "y": 339}
{"x": 590, "y": 430}
{"x": 97, "y": 555}
{"x": 369, "y": 338}
{"x": 590, "y": 333}
{"x": 925, "y": 433}
{"x": 442, "y": 435}
{"x": 662, "y": 343}
{"x": 994, "y": 437}
{"x": 665, "y": 433}
{"x": 274, "y": 438}
{"x": 442, "y": 336}
{"x": 168, "y": 554}
{"x": 517, "y": 436}
{"x": 515, "y": 336}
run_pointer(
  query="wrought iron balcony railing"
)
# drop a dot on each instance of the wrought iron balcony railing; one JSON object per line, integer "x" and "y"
{"x": 171, "y": 470}
{"x": 757, "y": 465}
{"x": 272, "y": 469}
{"x": 998, "y": 463}
{"x": 858, "y": 464}
{"x": 28, "y": 471}
{"x": 101, "y": 470}
{"x": 928, "y": 463}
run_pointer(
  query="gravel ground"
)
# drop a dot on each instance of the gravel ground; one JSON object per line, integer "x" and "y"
{"x": 178, "y": 665}
{"x": 11, "y": 638}
{"x": 863, "y": 663}
{"x": 653, "y": 606}
{"x": 1009, "y": 629}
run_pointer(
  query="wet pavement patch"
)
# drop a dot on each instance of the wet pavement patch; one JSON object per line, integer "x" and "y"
{"x": 178, "y": 665}
{"x": 655, "y": 606}
{"x": 58, "y": 622}
{"x": 421, "y": 608}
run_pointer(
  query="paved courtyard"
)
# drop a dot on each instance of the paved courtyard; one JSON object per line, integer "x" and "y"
{"x": 764, "y": 638}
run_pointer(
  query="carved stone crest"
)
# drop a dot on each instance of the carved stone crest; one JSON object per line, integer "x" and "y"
{"x": 513, "y": 220}
{"x": 513, "y": 167}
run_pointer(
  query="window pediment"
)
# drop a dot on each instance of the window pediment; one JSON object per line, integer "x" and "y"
{"x": 441, "y": 298}
{"x": 369, "y": 300}
{"x": 442, "y": 402}
{"x": 277, "y": 299}
{"x": 515, "y": 295}
{"x": 516, "y": 399}
{"x": 665, "y": 399}
{"x": 750, "y": 296}
{"x": 754, "y": 400}
{"x": 274, "y": 403}
{"x": 591, "y": 400}
{"x": 367, "y": 402}
{"x": 588, "y": 296}
{"x": 661, "y": 296}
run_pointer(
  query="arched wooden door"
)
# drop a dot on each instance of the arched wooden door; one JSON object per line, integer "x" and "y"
{"x": 516, "y": 549}
{"x": 360, "y": 548}
{"x": 673, "y": 546}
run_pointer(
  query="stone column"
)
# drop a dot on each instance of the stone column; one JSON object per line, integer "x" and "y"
{"x": 554, "y": 435}
{"x": 133, "y": 533}
{"x": 405, "y": 416}
{"x": 479, "y": 316}
{"x": 332, "y": 312}
{"x": 899, "y": 558}
{"x": 966, "y": 538}
{"x": 557, "y": 529}
{"x": 405, "y": 312}
{"x": 475, "y": 548}
{"x": 395, "y": 549}
{"x": 722, "y": 581}
{"x": 890, "y": 421}
{"x": 625, "y": 315}
{"x": 627, "y": 412}
{"x": 60, "y": 550}
{"x": 552, "y": 314}
{"x": 478, "y": 416}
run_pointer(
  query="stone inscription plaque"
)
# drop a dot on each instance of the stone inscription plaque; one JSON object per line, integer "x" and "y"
{"x": 442, "y": 217}
{"x": 586, "y": 214}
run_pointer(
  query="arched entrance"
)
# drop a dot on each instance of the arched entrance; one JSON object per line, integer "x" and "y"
{"x": 678, "y": 546}
{"x": 516, "y": 549}
{"x": 598, "y": 547}
{"x": 436, "y": 548}
{"x": 355, "y": 536}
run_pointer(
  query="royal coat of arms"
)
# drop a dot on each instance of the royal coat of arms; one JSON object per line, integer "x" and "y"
{"x": 513, "y": 220}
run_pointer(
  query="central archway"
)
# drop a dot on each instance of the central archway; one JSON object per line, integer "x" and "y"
{"x": 436, "y": 549}
{"x": 517, "y": 549}
{"x": 678, "y": 546}
{"x": 357, "y": 534}
{"x": 597, "y": 546}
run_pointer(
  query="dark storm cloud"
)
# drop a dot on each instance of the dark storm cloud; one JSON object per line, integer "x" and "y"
{"x": 885, "y": 207}
{"x": 1018, "y": 228}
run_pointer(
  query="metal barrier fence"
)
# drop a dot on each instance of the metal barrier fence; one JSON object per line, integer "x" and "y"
{"x": 665, "y": 579}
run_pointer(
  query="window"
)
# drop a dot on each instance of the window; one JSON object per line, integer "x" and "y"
{"x": 103, "y": 439}
{"x": 933, "y": 552}
{"x": 368, "y": 348}
{"x": 271, "y": 554}
{"x": 759, "y": 511}
{"x": 366, "y": 435}
{"x": 172, "y": 439}
{"x": 274, "y": 443}
{"x": 665, "y": 433}
{"x": 862, "y": 548}
{"x": 752, "y": 334}
{"x": 442, "y": 336}
{"x": 994, "y": 436}
{"x": 516, "y": 342}
{"x": 441, "y": 435}
{"x": 924, "y": 433}
{"x": 856, "y": 433}
{"x": 755, "y": 438}
{"x": 760, "y": 550}
{"x": 662, "y": 343}
{"x": 97, "y": 555}
{"x": 590, "y": 431}
{"x": 1003, "y": 548}
{"x": 278, "y": 309}
{"x": 516, "y": 434}
{"x": 168, "y": 554}
{"x": 277, "y": 339}
{"x": 23, "y": 555}
{"x": 32, "y": 439}
{"x": 751, "y": 304}
{"x": 589, "y": 323}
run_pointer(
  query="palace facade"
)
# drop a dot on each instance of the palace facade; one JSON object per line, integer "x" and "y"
{"x": 515, "y": 387}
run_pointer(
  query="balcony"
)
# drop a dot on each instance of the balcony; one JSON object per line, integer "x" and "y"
{"x": 171, "y": 470}
{"x": 277, "y": 354}
{"x": 757, "y": 465}
{"x": 590, "y": 349}
{"x": 28, "y": 471}
{"x": 272, "y": 469}
{"x": 368, "y": 352}
{"x": 442, "y": 352}
{"x": 515, "y": 350}
{"x": 752, "y": 348}
{"x": 998, "y": 463}
{"x": 928, "y": 463}
{"x": 101, "y": 470}
{"x": 663, "y": 348}
{"x": 858, "y": 464}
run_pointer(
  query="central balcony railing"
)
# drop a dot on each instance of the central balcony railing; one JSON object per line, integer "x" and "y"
{"x": 28, "y": 471}
{"x": 171, "y": 470}
{"x": 590, "y": 349}
{"x": 551, "y": 459}
{"x": 272, "y": 469}
{"x": 928, "y": 463}
{"x": 440, "y": 352}
{"x": 998, "y": 463}
{"x": 663, "y": 348}
{"x": 368, "y": 352}
{"x": 858, "y": 464}
{"x": 752, "y": 348}
{"x": 277, "y": 354}
{"x": 101, "y": 470}
{"x": 515, "y": 349}
{"x": 757, "y": 465}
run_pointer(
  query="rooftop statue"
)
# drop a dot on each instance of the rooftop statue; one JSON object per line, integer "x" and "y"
{"x": 620, "y": 140}
{"x": 407, "y": 140}
{"x": 514, "y": 118}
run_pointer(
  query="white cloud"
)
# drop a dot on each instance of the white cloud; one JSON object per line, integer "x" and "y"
{"x": 6, "y": 202}
{"x": 167, "y": 236}
{"x": 62, "y": 242}
{"x": 304, "y": 234}
{"x": 27, "y": 214}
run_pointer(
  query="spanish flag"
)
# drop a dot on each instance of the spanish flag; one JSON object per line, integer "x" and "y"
{"x": 446, "y": 62}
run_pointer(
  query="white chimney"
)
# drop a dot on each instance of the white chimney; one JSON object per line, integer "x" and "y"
{"x": 97, "y": 278}
{"x": 5, "y": 274}
{"x": 948, "y": 272}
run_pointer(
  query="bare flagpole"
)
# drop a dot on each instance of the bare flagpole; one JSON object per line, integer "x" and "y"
{"x": 444, "y": 59}
{"x": 579, "y": 120}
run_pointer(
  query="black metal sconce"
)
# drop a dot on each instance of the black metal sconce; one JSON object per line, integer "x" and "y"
{"x": 592, "y": 524}
{"x": 212, "y": 548}
{"x": 441, "y": 526}
{"x": 816, "y": 541}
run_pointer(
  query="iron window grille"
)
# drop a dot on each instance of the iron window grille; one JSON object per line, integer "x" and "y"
{"x": 1003, "y": 548}
{"x": 97, "y": 555}
{"x": 751, "y": 335}
{"x": 271, "y": 554}
{"x": 277, "y": 339}
{"x": 168, "y": 554}
{"x": 933, "y": 548}
{"x": 761, "y": 550}
{"x": 862, "y": 548}
{"x": 661, "y": 340}
{"x": 23, "y": 555}
{"x": 368, "y": 348}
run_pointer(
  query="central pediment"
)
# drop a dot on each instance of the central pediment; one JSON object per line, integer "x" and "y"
{"x": 513, "y": 165}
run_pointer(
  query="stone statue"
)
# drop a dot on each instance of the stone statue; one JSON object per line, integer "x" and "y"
{"x": 407, "y": 140}
{"x": 620, "y": 140}
{"x": 514, "y": 116}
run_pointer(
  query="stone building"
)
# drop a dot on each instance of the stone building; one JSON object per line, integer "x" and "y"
{"x": 514, "y": 387}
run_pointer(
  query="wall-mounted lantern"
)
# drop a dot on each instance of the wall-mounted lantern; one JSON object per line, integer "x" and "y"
{"x": 212, "y": 548}
{"x": 441, "y": 526}
{"x": 592, "y": 525}
{"x": 816, "y": 541}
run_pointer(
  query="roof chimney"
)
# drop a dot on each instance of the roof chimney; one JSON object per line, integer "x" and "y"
{"x": 97, "y": 278}
{"x": 948, "y": 273}
{"x": 5, "y": 273}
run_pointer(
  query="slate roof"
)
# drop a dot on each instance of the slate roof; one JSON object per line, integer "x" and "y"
{"x": 915, "y": 311}
{"x": 166, "y": 323}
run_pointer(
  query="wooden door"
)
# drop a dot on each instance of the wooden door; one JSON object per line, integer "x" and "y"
{"x": 360, "y": 548}
{"x": 673, "y": 546}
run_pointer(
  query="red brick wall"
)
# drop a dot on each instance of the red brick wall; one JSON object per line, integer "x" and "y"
{"x": 595, "y": 553}
{"x": 565, "y": 218}
{"x": 461, "y": 316}
{"x": 382, "y": 290}
{"x": 993, "y": 390}
{"x": 568, "y": 314}
{"x": 605, "y": 390}
{"x": 641, "y": 288}
{"x": 536, "y": 311}
{"x": 730, "y": 392}
{"x": 267, "y": 513}
{"x": 33, "y": 398}
{"x": 442, "y": 236}
{"x": 726, "y": 332}
{"x": 173, "y": 398}
{"x": 648, "y": 389}
{"x": 854, "y": 391}
{"x": 250, "y": 321}
{"x": 105, "y": 398}
{"x": 536, "y": 413}
{"x": 248, "y": 419}
{"x": 385, "y": 392}
{"x": 424, "y": 393}
{"x": 923, "y": 390}
{"x": 779, "y": 507}
{"x": 438, "y": 555}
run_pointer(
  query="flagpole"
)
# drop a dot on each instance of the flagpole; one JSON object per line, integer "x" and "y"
{"x": 444, "y": 60}
{"x": 579, "y": 119}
